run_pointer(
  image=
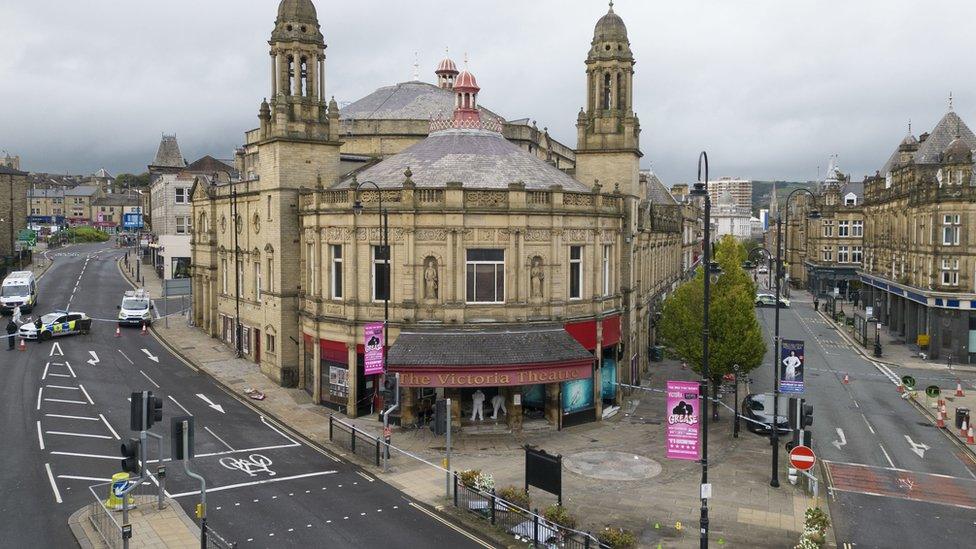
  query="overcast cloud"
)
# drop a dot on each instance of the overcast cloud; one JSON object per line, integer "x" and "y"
{"x": 769, "y": 87}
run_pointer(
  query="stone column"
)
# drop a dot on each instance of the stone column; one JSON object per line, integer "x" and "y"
{"x": 296, "y": 77}
{"x": 317, "y": 372}
{"x": 553, "y": 405}
{"x": 321, "y": 62}
{"x": 352, "y": 379}
{"x": 281, "y": 81}
{"x": 312, "y": 78}
{"x": 408, "y": 405}
{"x": 455, "y": 395}
{"x": 274, "y": 74}
{"x": 514, "y": 415}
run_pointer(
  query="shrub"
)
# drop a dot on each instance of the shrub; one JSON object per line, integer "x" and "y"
{"x": 474, "y": 478}
{"x": 86, "y": 234}
{"x": 557, "y": 514}
{"x": 618, "y": 538}
{"x": 468, "y": 475}
{"x": 515, "y": 496}
{"x": 815, "y": 526}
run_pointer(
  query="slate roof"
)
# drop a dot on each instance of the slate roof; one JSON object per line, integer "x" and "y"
{"x": 856, "y": 187}
{"x": 657, "y": 193}
{"x": 81, "y": 190}
{"x": 117, "y": 200}
{"x": 478, "y": 159}
{"x": 103, "y": 174}
{"x": 456, "y": 346}
{"x": 168, "y": 154}
{"x": 208, "y": 165}
{"x": 44, "y": 193}
{"x": 930, "y": 151}
{"x": 4, "y": 170}
{"x": 406, "y": 101}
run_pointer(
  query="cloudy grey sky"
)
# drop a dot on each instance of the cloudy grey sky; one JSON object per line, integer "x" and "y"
{"x": 769, "y": 87}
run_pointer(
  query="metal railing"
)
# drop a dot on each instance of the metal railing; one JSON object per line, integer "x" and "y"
{"x": 356, "y": 441}
{"x": 527, "y": 526}
{"x": 213, "y": 539}
{"x": 108, "y": 521}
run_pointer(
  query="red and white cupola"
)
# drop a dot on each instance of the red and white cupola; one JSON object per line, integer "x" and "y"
{"x": 466, "y": 98}
{"x": 446, "y": 73}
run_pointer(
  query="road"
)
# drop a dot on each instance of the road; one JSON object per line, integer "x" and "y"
{"x": 894, "y": 479}
{"x": 66, "y": 409}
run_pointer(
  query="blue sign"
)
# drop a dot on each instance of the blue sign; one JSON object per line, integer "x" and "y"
{"x": 534, "y": 395}
{"x": 791, "y": 366}
{"x": 132, "y": 220}
{"x": 119, "y": 486}
{"x": 577, "y": 395}
{"x": 608, "y": 379}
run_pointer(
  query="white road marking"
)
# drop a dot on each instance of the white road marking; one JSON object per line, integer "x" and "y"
{"x": 40, "y": 436}
{"x": 448, "y": 524}
{"x": 865, "y": 418}
{"x": 61, "y": 387}
{"x": 52, "y": 374}
{"x": 151, "y": 356}
{"x": 39, "y": 391}
{"x": 94, "y": 479}
{"x": 57, "y": 348}
{"x": 44, "y": 375}
{"x": 886, "y": 455}
{"x": 918, "y": 448}
{"x": 149, "y": 378}
{"x": 72, "y": 417}
{"x": 842, "y": 440}
{"x": 209, "y": 402}
{"x": 180, "y": 405}
{"x": 264, "y": 421}
{"x": 84, "y": 435}
{"x": 92, "y": 456}
{"x": 87, "y": 396}
{"x": 65, "y": 401}
{"x": 207, "y": 429}
{"x": 54, "y": 485}
{"x": 105, "y": 421}
{"x": 126, "y": 356}
{"x": 254, "y": 483}
{"x": 94, "y": 358}
{"x": 68, "y": 364}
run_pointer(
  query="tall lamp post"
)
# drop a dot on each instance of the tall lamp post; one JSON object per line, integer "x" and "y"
{"x": 238, "y": 226}
{"x": 877, "y": 328}
{"x": 709, "y": 269}
{"x": 357, "y": 209}
{"x": 769, "y": 257}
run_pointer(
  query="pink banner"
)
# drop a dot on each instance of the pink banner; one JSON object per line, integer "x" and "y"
{"x": 373, "y": 342}
{"x": 682, "y": 413}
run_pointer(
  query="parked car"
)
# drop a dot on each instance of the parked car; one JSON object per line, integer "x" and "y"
{"x": 759, "y": 408}
{"x": 769, "y": 300}
{"x": 56, "y": 325}
{"x": 762, "y": 269}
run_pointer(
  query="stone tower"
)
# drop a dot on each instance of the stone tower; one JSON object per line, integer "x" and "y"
{"x": 608, "y": 131}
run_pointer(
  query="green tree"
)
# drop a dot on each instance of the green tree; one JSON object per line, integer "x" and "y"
{"x": 735, "y": 337}
{"x": 128, "y": 180}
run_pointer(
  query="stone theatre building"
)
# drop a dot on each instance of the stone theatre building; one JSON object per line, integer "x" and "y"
{"x": 518, "y": 267}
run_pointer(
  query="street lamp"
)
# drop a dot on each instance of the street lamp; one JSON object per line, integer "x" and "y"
{"x": 357, "y": 209}
{"x": 238, "y": 270}
{"x": 813, "y": 214}
{"x": 701, "y": 190}
{"x": 877, "y": 329}
{"x": 736, "y": 369}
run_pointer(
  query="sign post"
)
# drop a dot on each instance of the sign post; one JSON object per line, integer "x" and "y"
{"x": 802, "y": 458}
{"x": 683, "y": 420}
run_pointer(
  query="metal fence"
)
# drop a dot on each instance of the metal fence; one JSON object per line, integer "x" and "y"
{"x": 108, "y": 521}
{"x": 213, "y": 539}
{"x": 358, "y": 442}
{"x": 527, "y": 526}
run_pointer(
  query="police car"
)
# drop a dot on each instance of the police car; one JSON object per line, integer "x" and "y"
{"x": 56, "y": 324}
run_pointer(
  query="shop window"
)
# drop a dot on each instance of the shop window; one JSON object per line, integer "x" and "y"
{"x": 575, "y": 272}
{"x": 336, "y": 271}
{"x": 246, "y": 340}
{"x": 381, "y": 274}
{"x": 485, "y": 273}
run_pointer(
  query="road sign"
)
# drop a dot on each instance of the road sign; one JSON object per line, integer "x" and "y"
{"x": 387, "y": 432}
{"x": 802, "y": 458}
{"x": 908, "y": 382}
{"x": 933, "y": 391}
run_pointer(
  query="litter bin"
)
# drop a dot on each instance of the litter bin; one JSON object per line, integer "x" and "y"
{"x": 960, "y": 414}
{"x": 657, "y": 353}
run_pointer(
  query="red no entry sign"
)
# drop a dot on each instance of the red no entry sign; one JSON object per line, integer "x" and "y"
{"x": 802, "y": 458}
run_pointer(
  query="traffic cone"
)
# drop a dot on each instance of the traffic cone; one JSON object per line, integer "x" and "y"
{"x": 970, "y": 439}
{"x": 940, "y": 421}
{"x": 959, "y": 392}
{"x": 965, "y": 426}
{"x": 118, "y": 331}
{"x": 847, "y": 379}
{"x": 143, "y": 328}
{"x": 901, "y": 388}
{"x": 22, "y": 346}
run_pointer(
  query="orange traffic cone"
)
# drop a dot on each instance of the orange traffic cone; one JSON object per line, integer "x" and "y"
{"x": 901, "y": 388}
{"x": 940, "y": 421}
{"x": 143, "y": 328}
{"x": 22, "y": 346}
{"x": 970, "y": 439}
{"x": 118, "y": 331}
{"x": 847, "y": 379}
{"x": 959, "y": 392}
{"x": 965, "y": 426}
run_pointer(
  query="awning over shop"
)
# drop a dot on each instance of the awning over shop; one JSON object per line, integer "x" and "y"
{"x": 488, "y": 357}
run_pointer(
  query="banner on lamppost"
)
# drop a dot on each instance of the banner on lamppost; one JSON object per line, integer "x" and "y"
{"x": 373, "y": 339}
{"x": 791, "y": 366}
{"x": 683, "y": 426}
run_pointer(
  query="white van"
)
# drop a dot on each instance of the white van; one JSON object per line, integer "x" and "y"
{"x": 136, "y": 308}
{"x": 19, "y": 289}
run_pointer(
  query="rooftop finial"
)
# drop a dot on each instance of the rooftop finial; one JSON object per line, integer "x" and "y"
{"x": 416, "y": 66}
{"x": 950, "y": 101}
{"x": 611, "y": 6}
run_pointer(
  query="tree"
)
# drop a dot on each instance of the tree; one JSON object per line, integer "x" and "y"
{"x": 735, "y": 337}
{"x": 128, "y": 180}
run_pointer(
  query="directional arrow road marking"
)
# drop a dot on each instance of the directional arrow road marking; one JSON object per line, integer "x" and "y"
{"x": 917, "y": 447}
{"x": 57, "y": 348}
{"x": 210, "y": 403}
{"x": 151, "y": 356}
{"x": 842, "y": 441}
{"x": 94, "y": 358}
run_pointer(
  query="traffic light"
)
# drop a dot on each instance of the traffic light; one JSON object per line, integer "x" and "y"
{"x": 390, "y": 387}
{"x": 806, "y": 415}
{"x": 154, "y": 409}
{"x": 439, "y": 425}
{"x": 130, "y": 457}
{"x": 135, "y": 411}
{"x": 182, "y": 449}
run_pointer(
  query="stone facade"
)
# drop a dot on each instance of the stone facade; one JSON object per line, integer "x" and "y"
{"x": 13, "y": 207}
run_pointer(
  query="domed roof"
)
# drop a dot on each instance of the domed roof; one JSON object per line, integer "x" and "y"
{"x": 957, "y": 152}
{"x": 478, "y": 159}
{"x": 419, "y": 101}
{"x": 466, "y": 80}
{"x": 446, "y": 66}
{"x": 610, "y": 28}
{"x": 297, "y": 11}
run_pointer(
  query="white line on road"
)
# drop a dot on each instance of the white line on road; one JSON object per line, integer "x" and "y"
{"x": 57, "y": 348}
{"x": 52, "y": 374}
{"x": 254, "y": 483}
{"x": 93, "y": 479}
{"x": 207, "y": 429}
{"x": 39, "y": 391}
{"x": 44, "y": 375}
{"x": 446, "y": 523}
{"x": 40, "y": 436}
{"x": 126, "y": 357}
{"x": 87, "y": 396}
{"x": 65, "y": 401}
{"x": 365, "y": 476}
{"x": 85, "y": 435}
{"x": 180, "y": 405}
{"x": 68, "y": 364}
{"x": 72, "y": 417}
{"x": 54, "y": 485}
{"x": 149, "y": 378}
{"x": 856, "y": 405}
{"x": 93, "y": 456}
{"x": 272, "y": 427}
{"x": 865, "y": 418}
{"x": 105, "y": 421}
{"x": 886, "y": 455}
{"x": 61, "y": 387}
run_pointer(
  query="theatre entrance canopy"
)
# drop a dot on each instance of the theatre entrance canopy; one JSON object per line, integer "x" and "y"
{"x": 488, "y": 357}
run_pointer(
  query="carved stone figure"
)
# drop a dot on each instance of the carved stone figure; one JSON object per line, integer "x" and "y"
{"x": 430, "y": 278}
{"x": 537, "y": 275}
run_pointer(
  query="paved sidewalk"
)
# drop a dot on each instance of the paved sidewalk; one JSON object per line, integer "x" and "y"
{"x": 615, "y": 471}
{"x": 169, "y": 528}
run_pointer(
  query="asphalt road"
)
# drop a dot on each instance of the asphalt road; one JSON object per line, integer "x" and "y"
{"x": 894, "y": 479}
{"x": 65, "y": 411}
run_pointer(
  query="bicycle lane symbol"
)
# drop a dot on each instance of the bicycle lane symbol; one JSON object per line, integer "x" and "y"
{"x": 252, "y": 465}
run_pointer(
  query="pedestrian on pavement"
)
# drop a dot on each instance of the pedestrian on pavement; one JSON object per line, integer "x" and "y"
{"x": 816, "y": 304}
{"x": 11, "y": 331}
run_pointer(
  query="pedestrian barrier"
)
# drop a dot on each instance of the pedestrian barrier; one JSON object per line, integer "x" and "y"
{"x": 107, "y": 521}
{"x": 356, "y": 441}
{"x": 213, "y": 539}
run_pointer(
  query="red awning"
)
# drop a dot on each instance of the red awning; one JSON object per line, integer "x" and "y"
{"x": 585, "y": 332}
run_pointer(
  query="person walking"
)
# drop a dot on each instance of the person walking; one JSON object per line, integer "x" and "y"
{"x": 11, "y": 332}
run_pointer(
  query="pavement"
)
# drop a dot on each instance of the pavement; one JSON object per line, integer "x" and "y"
{"x": 64, "y": 410}
{"x": 152, "y": 528}
{"x": 616, "y": 473}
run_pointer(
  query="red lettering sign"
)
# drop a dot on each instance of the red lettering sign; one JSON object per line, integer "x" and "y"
{"x": 478, "y": 377}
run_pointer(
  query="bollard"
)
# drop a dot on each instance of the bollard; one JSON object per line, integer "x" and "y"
{"x": 114, "y": 501}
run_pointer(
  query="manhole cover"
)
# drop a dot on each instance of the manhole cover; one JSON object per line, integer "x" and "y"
{"x": 612, "y": 465}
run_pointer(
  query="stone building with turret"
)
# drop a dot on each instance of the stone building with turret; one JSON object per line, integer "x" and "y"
{"x": 499, "y": 271}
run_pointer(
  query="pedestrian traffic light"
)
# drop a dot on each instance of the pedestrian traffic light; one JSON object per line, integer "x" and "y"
{"x": 154, "y": 409}
{"x": 390, "y": 387}
{"x": 439, "y": 425}
{"x": 806, "y": 415}
{"x": 130, "y": 457}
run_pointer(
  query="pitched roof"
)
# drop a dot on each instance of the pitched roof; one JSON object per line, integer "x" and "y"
{"x": 10, "y": 171}
{"x": 81, "y": 190}
{"x": 406, "y": 101}
{"x": 208, "y": 165}
{"x": 657, "y": 193}
{"x": 117, "y": 200}
{"x": 168, "y": 154}
{"x": 930, "y": 151}
{"x": 103, "y": 174}
{"x": 475, "y": 158}
{"x": 856, "y": 187}
{"x": 456, "y": 346}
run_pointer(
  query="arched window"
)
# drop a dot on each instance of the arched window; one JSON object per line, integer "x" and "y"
{"x": 291, "y": 74}
{"x": 606, "y": 91}
{"x": 203, "y": 223}
{"x": 620, "y": 91}
{"x": 303, "y": 82}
